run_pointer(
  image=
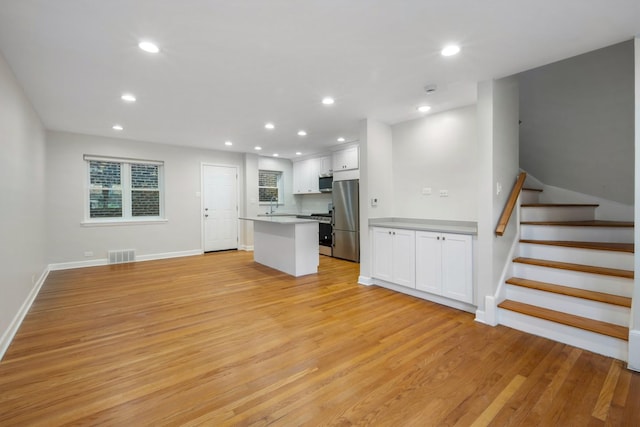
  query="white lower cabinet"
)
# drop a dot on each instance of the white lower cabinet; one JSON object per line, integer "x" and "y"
{"x": 394, "y": 254}
{"x": 444, "y": 265}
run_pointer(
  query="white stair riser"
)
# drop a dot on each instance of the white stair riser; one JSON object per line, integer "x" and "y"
{"x": 601, "y": 344}
{"x": 529, "y": 197}
{"x": 576, "y": 279}
{"x": 579, "y": 234}
{"x": 610, "y": 259}
{"x": 581, "y": 213}
{"x": 577, "y": 306}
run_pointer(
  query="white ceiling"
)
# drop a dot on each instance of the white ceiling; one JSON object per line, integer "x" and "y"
{"x": 227, "y": 67}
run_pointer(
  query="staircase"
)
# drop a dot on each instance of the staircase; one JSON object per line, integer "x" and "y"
{"x": 573, "y": 277}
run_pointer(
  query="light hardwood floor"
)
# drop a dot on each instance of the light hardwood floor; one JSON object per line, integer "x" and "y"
{"x": 218, "y": 340}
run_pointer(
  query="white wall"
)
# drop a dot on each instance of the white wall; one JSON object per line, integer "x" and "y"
{"x": 286, "y": 167}
{"x": 376, "y": 180}
{"x": 22, "y": 210}
{"x": 250, "y": 207}
{"x": 577, "y": 123}
{"x": 634, "y": 330}
{"x": 440, "y": 152}
{"x": 505, "y": 167}
{"x": 67, "y": 239}
{"x": 498, "y": 159}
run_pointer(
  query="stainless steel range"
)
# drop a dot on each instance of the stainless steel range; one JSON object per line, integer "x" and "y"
{"x": 325, "y": 232}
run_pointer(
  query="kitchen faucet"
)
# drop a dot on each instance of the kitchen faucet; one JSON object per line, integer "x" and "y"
{"x": 271, "y": 208}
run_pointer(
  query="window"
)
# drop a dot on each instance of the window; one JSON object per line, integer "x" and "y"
{"x": 269, "y": 186}
{"x": 124, "y": 190}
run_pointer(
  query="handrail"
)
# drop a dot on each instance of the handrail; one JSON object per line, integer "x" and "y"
{"x": 511, "y": 204}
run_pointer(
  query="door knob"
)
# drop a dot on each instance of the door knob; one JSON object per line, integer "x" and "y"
{"x": 206, "y": 215}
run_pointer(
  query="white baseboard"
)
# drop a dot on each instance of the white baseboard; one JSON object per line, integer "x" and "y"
{"x": 248, "y": 248}
{"x": 140, "y": 258}
{"x": 469, "y": 308}
{"x": 8, "y": 335}
{"x": 634, "y": 350}
{"x": 166, "y": 255}
{"x": 481, "y": 317}
{"x": 364, "y": 280}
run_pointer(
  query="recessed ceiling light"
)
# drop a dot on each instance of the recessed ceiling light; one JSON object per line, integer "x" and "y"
{"x": 327, "y": 100}
{"x": 257, "y": 148}
{"x": 269, "y": 126}
{"x": 275, "y": 154}
{"x": 341, "y": 139}
{"x": 302, "y": 133}
{"x": 128, "y": 97}
{"x": 228, "y": 143}
{"x": 117, "y": 127}
{"x": 450, "y": 50}
{"x": 149, "y": 47}
{"x": 298, "y": 153}
{"x": 423, "y": 108}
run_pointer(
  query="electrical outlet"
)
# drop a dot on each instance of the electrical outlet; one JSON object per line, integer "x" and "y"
{"x": 374, "y": 201}
{"x": 426, "y": 191}
{"x": 88, "y": 253}
{"x": 498, "y": 188}
{"x": 444, "y": 193}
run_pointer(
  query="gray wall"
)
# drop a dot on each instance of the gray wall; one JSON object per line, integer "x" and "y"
{"x": 22, "y": 212}
{"x": 68, "y": 239}
{"x": 577, "y": 123}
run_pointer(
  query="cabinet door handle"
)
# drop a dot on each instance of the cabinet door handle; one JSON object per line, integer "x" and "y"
{"x": 442, "y": 237}
{"x": 438, "y": 237}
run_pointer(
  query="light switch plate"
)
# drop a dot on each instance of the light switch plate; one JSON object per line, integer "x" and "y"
{"x": 444, "y": 193}
{"x": 426, "y": 191}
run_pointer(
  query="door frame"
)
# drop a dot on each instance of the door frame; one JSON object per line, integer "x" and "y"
{"x": 202, "y": 166}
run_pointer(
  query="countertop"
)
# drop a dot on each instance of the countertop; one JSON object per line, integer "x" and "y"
{"x": 436, "y": 225}
{"x": 275, "y": 219}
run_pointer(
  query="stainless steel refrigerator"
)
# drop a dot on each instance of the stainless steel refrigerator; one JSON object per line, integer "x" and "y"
{"x": 346, "y": 220}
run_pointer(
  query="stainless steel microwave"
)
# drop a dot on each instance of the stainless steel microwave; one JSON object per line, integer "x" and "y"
{"x": 325, "y": 184}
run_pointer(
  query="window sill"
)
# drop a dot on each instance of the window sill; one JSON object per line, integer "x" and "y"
{"x": 111, "y": 222}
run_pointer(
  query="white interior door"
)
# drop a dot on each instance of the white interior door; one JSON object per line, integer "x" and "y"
{"x": 220, "y": 207}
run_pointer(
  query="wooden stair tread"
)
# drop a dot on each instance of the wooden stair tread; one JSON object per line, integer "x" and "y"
{"x": 604, "y": 246}
{"x": 597, "y": 326}
{"x": 532, "y": 189}
{"x": 576, "y": 267}
{"x": 558, "y": 205}
{"x": 593, "y": 223}
{"x": 572, "y": 292}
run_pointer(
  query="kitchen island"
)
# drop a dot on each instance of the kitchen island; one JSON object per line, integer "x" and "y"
{"x": 286, "y": 243}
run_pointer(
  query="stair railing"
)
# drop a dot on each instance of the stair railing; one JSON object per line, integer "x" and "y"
{"x": 511, "y": 204}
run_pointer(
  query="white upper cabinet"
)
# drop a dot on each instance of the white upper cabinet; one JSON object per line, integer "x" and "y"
{"x": 305, "y": 176}
{"x": 346, "y": 159}
{"x": 326, "y": 165}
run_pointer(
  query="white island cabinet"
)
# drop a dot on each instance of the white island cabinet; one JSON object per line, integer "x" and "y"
{"x": 288, "y": 244}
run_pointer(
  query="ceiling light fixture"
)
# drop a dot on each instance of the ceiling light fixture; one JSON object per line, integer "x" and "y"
{"x": 257, "y": 148}
{"x": 127, "y": 97}
{"x": 450, "y": 50}
{"x": 149, "y": 47}
{"x": 298, "y": 153}
{"x": 302, "y": 133}
{"x": 327, "y": 100}
{"x": 275, "y": 154}
{"x": 423, "y": 108}
{"x": 228, "y": 143}
{"x": 341, "y": 139}
{"x": 117, "y": 127}
{"x": 269, "y": 126}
